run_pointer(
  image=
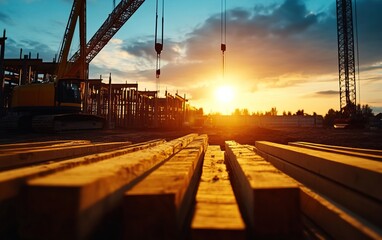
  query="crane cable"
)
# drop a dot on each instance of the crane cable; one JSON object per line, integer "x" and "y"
{"x": 158, "y": 45}
{"x": 357, "y": 46}
{"x": 223, "y": 34}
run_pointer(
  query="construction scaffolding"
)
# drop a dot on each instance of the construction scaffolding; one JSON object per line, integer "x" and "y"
{"x": 124, "y": 106}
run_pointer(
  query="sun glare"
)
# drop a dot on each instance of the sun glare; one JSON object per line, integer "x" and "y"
{"x": 224, "y": 94}
{"x": 224, "y": 99}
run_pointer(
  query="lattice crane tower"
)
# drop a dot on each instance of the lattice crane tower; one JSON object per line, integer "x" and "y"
{"x": 346, "y": 56}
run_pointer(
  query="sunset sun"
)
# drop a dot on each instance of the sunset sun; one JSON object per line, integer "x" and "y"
{"x": 224, "y": 97}
{"x": 224, "y": 94}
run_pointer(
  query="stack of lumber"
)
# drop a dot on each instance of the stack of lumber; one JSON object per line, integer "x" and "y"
{"x": 347, "y": 202}
{"x": 80, "y": 197}
{"x": 187, "y": 189}
{"x": 13, "y": 182}
{"x": 66, "y": 199}
{"x": 158, "y": 206}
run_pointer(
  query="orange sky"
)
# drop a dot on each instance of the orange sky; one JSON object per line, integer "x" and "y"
{"x": 284, "y": 58}
{"x": 280, "y": 53}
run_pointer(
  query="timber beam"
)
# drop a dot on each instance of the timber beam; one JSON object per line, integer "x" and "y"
{"x": 357, "y": 152}
{"x": 268, "y": 198}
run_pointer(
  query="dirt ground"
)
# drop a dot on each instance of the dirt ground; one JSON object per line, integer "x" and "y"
{"x": 342, "y": 137}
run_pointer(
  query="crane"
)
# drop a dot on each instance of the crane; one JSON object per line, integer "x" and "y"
{"x": 59, "y": 104}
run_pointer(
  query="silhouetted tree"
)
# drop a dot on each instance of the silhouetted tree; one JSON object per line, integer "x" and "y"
{"x": 363, "y": 115}
{"x": 258, "y": 113}
{"x": 200, "y": 111}
{"x": 330, "y": 117}
{"x": 237, "y": 112}
{"x": 274, "y": 111}
{"x": 300, "y": 112}
{"x": 365, "y": 111}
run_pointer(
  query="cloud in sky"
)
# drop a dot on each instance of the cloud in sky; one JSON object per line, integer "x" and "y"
{"x": 268, "y": 43}
{"x": 327, "y": 93}
{"x": 271, "y": 46}
{"x": 13, "y": 47}
{"x": 6, "y": 19}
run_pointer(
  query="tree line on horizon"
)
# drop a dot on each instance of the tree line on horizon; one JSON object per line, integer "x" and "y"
{"x": 272, "y": 112}
{"x": 362, "y": 117}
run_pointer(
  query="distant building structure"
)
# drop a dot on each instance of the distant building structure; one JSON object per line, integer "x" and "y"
{"x": 294, "y": 121}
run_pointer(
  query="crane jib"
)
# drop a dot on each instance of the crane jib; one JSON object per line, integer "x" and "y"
{"x": 118, "y": 17}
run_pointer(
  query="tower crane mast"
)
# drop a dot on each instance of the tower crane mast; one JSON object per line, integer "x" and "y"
{"x": 346, "y": 57}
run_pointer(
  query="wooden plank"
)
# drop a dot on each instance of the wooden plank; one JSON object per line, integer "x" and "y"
{"x": 217, "y": 214}
{"x": 350, "y": 149}
{"x": 72, "y": 203}
{"x": 268, "y": 198}
{"x": 336, "y": 222}
{"x": 356, "y": 173}
{"x": 28, "y": 157}
{"x": 158, "y": 206}
{"x": 17, "y": 148}
{"x": 360, "y": 204}
{"x": 362, "y": 153}
{"x": 12, "y": 181}
{"x": 32, "y": 144}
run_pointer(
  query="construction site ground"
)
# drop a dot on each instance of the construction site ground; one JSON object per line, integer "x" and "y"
{"x": 359, "y": 138}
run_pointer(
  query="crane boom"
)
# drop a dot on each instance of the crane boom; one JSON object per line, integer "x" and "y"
{"x": 68, "y": 36}
{"x": 121, "y": 13}
{"x": 118, "y": 17}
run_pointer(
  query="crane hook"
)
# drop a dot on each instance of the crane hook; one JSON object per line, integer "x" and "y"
{"x": 158, "y": 45}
